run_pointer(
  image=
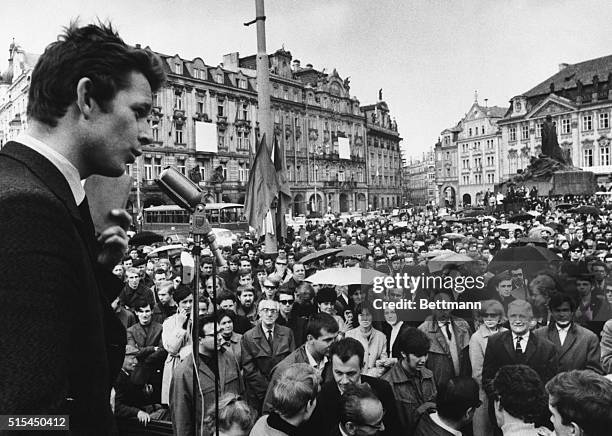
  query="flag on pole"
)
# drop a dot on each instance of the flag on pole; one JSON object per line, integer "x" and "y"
{"x": 284, "y": 192}
{"x": 262, "y": 188}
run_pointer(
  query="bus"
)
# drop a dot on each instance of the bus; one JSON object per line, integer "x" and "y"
{"x": 170, "y": 220}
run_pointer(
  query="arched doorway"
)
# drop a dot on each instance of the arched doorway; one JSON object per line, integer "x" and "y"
{"x": 344, "y": 203}
{"x": 361, "y": 203}
{"x": 448, "y": 197}
{"x": 298, "y": 205}
{"x": 316, "y": 203}
{"x": 467, "y": 200}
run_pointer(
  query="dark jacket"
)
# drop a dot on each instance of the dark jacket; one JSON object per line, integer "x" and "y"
{"x": 580, "y": 349}
{"x": 129, "y": 397}
{"x": 132, "y": 297}
{"x": 181, "y": 390}
{"x": 163, "y": 311}
{"x": 55, "y": 300}
{"x": 258, "y": 358}
{"x": 327, "y": 411}
{"x": 297, "y": 324}
{"x": 541, "y": 355}
{"x": 149, "y": 359}
{"x": 426, "y": 427}
{"x": 127, "y": 318}
{"x": 414, "y": 396}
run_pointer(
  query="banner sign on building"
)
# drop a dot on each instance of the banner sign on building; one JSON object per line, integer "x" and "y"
{"x": 206, "y": 137}
{"x": 344, "y": 149}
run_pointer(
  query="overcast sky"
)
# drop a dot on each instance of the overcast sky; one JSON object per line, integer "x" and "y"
{"x": 429, "y": 56}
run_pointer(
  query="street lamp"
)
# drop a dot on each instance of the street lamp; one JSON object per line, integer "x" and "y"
{"x": 318, "y": 150}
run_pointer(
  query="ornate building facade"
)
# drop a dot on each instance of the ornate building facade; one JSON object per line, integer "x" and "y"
{"x": 312, "y": 111}
{"x": 446, "y": 167}
{"x": 419, "y": 180}
{"x": 384, "y": 174}
{"x": 579, "y": 99}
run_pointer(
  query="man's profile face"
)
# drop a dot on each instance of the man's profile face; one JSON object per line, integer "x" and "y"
{"x": 164, "y": 296}
{"x": 115, "y": 136}
{"x": 322, "y": 344}
{"x": 557, "y": 421}
{"x": 346, "y": 373}
{"x": 144, "y": 315}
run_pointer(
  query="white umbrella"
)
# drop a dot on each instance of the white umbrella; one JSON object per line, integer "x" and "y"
{"x": 345, "y": 276}
{"x": 168, "y": 248}
{"x": 438, "y": 263}
{"x": 510, "y": 226}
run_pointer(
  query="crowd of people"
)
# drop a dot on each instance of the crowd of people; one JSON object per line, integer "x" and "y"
{"x": 312, "y": 358}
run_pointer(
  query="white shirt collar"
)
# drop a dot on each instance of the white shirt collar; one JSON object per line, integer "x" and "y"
{"x": 68, "y": 170}
{"x": 524, "y": 336}
{"x": 566, "y": 328}
{"x": 436, "y": 419}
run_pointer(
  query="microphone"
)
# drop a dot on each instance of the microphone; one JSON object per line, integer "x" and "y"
{"x": 186, "y": 194}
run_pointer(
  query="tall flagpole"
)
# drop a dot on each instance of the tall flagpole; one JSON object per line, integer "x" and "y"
{"x": 263, "y": 100}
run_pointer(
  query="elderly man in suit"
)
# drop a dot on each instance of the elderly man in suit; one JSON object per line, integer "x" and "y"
{"x": 264, "y": 346}
{"x": 578, "y": 346}
{"x": 89, "y": 98}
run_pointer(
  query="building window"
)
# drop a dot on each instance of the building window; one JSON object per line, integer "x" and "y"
{"x": 198, "y": 74}
{"x": 604, "y": 120}
{"x": 490, "y": 178}
{"x": 224, "y": 170}
{"x": 604, "y": 155}
{"x": 512, "y": 133}
{"x": 200, "y": 107}
{"x": 220, "y": 109}
{"x": 155, "y": 130}
{"x": 180, "y": 164}
{"x": 221, "y": 140}
{"x": 587, "y": 122}
{"x": 178, "y": 101}
{"x": 538, "y": 132}
{"x": 157, "y": 166}
{"x": 566, "y": 126}
{"x": 524, "y": 132}
{"x": 219, "y": 77}
{"x": 178, "y": 136}
{"x": 178, "y": 68}
{"x": 243, "y": 173}
{"x": 242, "y": 84}
{"x": 156, "y": 99}
{"x": 148, "y": 169}
{"x": 470, "y": 131}
{"x": 587, "y": 158}
{"x": 245, "y": 111}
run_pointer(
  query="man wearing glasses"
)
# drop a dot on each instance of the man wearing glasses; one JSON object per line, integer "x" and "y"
{"x": 281, "y": 272}
{"x": 361, "y": 412}
{"x": 287, "y": 318}
{"x": 264, "y": 346}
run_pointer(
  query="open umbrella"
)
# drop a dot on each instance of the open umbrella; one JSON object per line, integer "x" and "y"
{"x": 345, "y": 276}
{"x": 528, "y": 257}
{"x": 586, "y": 210}
{"x": 536, "y": 232}
{"x": 534, "y": 213}
{"x": 439, "y": 262}
{"x": 510, "y": 227}
{"x": 530, "y": 240}
{"x": 488, "y": 218}
{"x": 353, "y": 250}
{"x": 556, "y": 227}
{"x": 520, "y": 217}
{"x": 468, "y": 220}
{"x": 453, "y": 235}
{"x": 471, "y": 213}
{"x": 145, "y": 238}
{"x": 320, "y": 254}
{"x": 169, "y": 249}
{"x": 564, "y": 206}
{"x": 436, "y": 253}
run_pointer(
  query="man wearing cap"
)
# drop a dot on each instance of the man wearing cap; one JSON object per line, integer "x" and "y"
{"x": 326, "y": 300}
{"x": 132, "y": 400}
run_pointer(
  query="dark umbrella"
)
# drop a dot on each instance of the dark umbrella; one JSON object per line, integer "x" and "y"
{"x": 528, "y": 257}
{"x": 472, "y": 213}
{"x": 520, "y": 217}
{"x": 526, "y": 241}
{"x": 564, "y": 206}
{"x": 468, "y": 220}
{"x": 586, "y": 210}
{"x": 145, "y": 238}
{"x": 320, "y": 254}
{"x": 556, "y": 227}
{"x": 353, "y": 250}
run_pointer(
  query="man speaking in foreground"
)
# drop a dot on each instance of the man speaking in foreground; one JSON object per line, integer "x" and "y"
{"x": 62, "y": 347}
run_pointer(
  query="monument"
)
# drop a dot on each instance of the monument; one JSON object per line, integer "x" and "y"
{"x": 552, "y": 172}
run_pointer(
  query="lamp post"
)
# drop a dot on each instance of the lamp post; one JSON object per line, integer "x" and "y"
{"x": 317, "y": 151}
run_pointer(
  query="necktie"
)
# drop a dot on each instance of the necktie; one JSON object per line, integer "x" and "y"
{"x": 269, "y": 337}
{"x": 449, "y": 335}
{"x": 519, "y": 349}
{"x": 86, "y": 215}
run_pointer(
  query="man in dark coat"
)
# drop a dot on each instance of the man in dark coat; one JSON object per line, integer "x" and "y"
{"x": 347, "y": 361}
{"x": 89, "y": 97}
{"x": 519, "y": 346}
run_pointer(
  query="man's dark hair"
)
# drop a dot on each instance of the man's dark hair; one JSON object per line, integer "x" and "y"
{"x": 520, "y": 391}
{"x": 326, "y": 295}
{"x": 583, "y": 397}
{"x": 206, "y": 260}
{"x": 96, "y": 52}
{"x": 283, "y": 290}
{"x": 558, "y": 298}
{"x": 321, "y": 321}
{"x": 207, "y": 318}
{"x": 222, "y": 313}
{"x": 225, "y": 295}
{"x": 347, "y": 348}
{"x": 412, "y": 341}
{"x": 159, "y": 271}
{"x": 456, "y": 396}
{"x": 141, "y": 304}
{"x": 351, "y": 408}
{"x": 241, "y": 289}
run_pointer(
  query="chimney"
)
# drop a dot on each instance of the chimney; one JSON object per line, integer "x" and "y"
{"x": 563, "y": 66}
{"x": 486, "y": 100}
{"x": 295, "y": 64}
{"x": 309, "y": 66}
{"x": 137, "y": 45}
{"x": 230, "y": 60}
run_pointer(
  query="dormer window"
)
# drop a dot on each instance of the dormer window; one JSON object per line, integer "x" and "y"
{"x": 518, "y": 106}
{"x": 219, "y": 78}
{"x": 178, "y": 68}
